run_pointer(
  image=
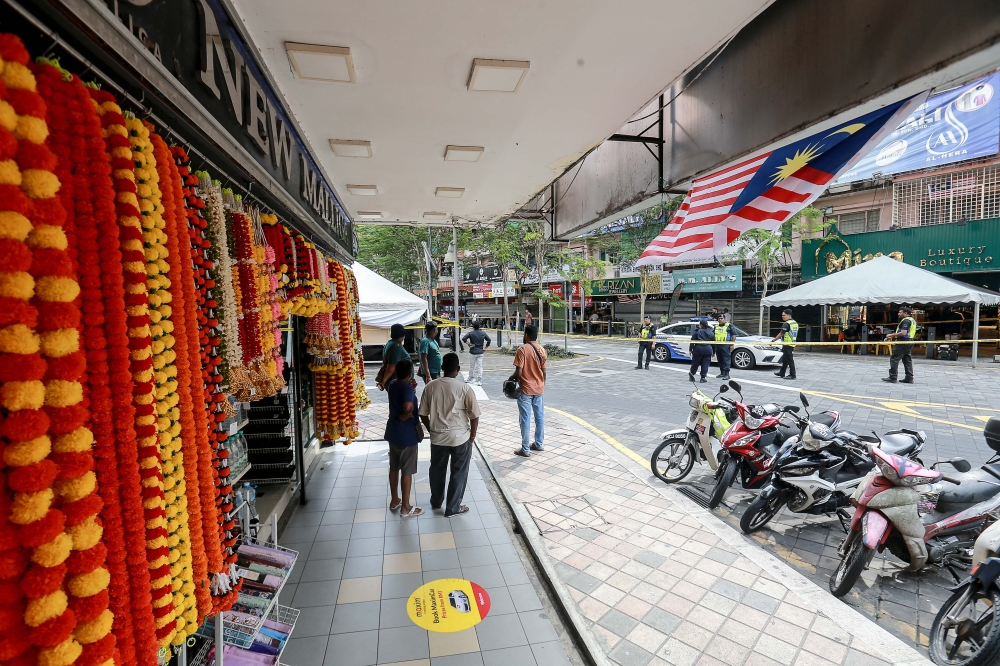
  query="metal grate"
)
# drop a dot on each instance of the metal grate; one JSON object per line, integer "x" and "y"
{"x": 972, "y": 194}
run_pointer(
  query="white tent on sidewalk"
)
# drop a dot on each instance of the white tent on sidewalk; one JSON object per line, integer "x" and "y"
{"x": 885, "y": 280}
{"x": 382, "y": 304}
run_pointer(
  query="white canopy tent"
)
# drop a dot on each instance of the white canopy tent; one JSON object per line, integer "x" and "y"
{"x": 885, "y": 280}
{"x": 382, "y": 303}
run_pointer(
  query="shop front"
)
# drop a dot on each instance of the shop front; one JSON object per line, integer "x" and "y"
{"x": 181, "y": 319}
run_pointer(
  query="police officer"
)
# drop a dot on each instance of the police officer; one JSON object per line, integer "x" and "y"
{"x": 788, "y": 333}
{"x": 907, "y": 330}
{"x": 723, "y": 352}
{"x": 701, "y": 353}
{"x": 646, "y": 334}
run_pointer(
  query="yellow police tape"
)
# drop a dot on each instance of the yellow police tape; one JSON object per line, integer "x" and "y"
{"x": 761, "y": 343}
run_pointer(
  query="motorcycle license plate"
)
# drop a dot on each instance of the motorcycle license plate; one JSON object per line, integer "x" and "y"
{"x": 700, "y": 429}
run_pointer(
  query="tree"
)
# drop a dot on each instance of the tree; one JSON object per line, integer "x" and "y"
{"x": 506, "y": 243}
{"x": 575, "y": 267}
{"x": 768, "y": 250}
{"x": 394, "y": 252}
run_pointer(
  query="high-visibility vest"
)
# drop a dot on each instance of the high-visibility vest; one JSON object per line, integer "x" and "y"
{"x": 908, "y": 326}
{"x": 647, "y": 332}
{"x": 721, "y": 332}
{"x": 793, "y": 331}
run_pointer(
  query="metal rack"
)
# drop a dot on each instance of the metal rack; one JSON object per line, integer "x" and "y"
{"x": 279, "y": 613}
{"x": 239, "y": 463}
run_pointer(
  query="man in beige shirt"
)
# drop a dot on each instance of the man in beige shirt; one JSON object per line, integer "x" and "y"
{"x": 450, "y": 412}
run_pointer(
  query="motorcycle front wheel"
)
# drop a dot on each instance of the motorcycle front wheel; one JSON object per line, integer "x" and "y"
{"x": 760, "y": 512}
{"x": 726, "y": 476}
{"x": 673, "y": 459}
{"x": 966, "y": 631}
{"x": 849, "y": 570}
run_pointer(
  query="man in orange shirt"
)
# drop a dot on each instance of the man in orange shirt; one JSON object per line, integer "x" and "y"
{"x": 529, "y": 369}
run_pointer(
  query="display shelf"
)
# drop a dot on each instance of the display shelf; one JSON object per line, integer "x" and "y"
{"x": 234, "y": 478}
{"x": 283, "y": 614}
{"x": 241, "y": 633}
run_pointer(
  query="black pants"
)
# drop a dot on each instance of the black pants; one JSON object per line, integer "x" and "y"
{"x": 648, "y": 348}
{"x": 904, "y": 353}
{"x": 458, "y": 459}
{"x": 700, "y": 360}
{"x": 787, "y": 361}
{"x": 725, "y": 357}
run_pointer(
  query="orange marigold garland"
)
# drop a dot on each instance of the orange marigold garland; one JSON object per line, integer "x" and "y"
{"x": 154, "y": 535}
{"x": 47, "y": 376}
{"x": 84, "y": 172}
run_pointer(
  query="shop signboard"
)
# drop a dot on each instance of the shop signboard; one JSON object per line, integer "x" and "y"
{"x": 476, "y": 274}
{"x": 958, "y": 125}
{"x": 626, "y": 286}
{"x": 666, "y": 282}
{"x": 725, "y": 278}
{"x": 482, "y": 290}
{"x": 557, "y": 290}
{"x": 496, "y": 289}
{"x": 942, "y": 248}
{"x": 201, "y": 51}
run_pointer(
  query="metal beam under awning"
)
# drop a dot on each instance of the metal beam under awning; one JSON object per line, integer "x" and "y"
{"x": 797, "y": 67}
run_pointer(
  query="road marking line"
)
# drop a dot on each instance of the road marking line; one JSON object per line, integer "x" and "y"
{"x": 603, "y": 435}
{"x": 480, "y": 393}
{"x": 831, "y": 396}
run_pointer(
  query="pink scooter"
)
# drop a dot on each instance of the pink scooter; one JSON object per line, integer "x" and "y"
{"x": 936, "y": 526}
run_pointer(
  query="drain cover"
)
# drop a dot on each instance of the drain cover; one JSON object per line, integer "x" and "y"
{"x": 591, "y": 372}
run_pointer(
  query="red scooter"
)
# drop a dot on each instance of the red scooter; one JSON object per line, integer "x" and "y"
{"x": 752, "y": 441}
{"x": 937, "y": 526}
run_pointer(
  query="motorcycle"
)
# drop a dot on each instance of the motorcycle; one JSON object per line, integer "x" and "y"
{"x": 698, "y": 440}
{"x": 938, "y": 526}
{"x": 816, "y": 473}
{"x": 966, "y": 630}
{"x": 750, "y": 445}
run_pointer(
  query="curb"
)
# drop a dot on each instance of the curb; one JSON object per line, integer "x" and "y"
{"x": 893, "y": 649}
{"x": 589, "y": 648}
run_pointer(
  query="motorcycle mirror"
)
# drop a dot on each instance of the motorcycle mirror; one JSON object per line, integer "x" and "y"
{"x": 802, "y": 399}
{"x": 961, "y": 464}
{"x": 792, "y": 408}
{"x": 723, "y": 388}
{"x": 735, "y": 386}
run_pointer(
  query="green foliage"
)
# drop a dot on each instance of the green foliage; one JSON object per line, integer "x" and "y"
{"x": 395, "y": 253}
{"x": 768, "y": 250}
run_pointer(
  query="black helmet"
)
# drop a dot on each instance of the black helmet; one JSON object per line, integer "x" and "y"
{"x": 512, "y": 389}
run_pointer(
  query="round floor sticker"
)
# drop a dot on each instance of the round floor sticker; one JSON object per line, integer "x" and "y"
{"x": 448, "y": 604}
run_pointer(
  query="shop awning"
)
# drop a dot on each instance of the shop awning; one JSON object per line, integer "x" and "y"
{"x": 382, "y": 303}
{"x": 882, "y": 280}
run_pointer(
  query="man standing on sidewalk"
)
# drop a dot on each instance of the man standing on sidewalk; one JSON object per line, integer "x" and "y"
{"x": 430, "y": 353}
{"x": 479, "y": 342}
{"x": 788, "y": 333}
{"x": 529, "y": 369}
{"x": 646, "y": 334}
{"x": 450, "y": 412}
{"x": 906, "y": 330}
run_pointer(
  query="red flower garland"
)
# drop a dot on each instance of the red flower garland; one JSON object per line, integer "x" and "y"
{"x": 76, "y": 139}
{"x": 150, "y": 533}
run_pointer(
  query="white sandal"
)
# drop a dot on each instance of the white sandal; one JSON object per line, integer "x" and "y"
{"x": 413, "y": 512}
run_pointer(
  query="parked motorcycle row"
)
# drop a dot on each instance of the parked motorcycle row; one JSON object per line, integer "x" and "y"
{"x": 812, "y": 464}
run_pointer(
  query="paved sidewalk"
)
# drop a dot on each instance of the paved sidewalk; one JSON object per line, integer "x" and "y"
{"x": 660, "y": 580}
{"x": 359, "y": 562}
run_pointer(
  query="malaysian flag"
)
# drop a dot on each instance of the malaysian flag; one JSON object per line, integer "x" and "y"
{"x": 766, "y": 190}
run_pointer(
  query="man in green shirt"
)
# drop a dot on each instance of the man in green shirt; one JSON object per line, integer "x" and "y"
{"x": 430, "y": 353}
{"x": 392, "y": 353}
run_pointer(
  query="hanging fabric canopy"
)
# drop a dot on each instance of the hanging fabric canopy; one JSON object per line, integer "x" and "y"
{"x": 382, "y": 303}
{"x": 882, "y": 280}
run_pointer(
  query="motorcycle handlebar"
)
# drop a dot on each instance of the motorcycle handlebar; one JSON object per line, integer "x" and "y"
{"x": 951, "y": 480}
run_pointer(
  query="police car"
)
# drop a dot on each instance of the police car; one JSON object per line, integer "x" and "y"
{"x": 672, "y": 342}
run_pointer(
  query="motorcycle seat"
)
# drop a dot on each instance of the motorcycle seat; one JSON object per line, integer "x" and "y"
{"x": 899, "y": 444}
{"x": 826, "y": 419}
{"x": 993, "y": 469}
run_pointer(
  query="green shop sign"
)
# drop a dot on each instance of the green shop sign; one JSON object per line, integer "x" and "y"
{"x": 725, "y": 278}
{"x": 943, "y": 248}
{"x": 626, "y": 286}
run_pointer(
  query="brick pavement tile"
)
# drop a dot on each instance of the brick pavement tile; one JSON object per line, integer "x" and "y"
{"x": 751, "y": 616}
{"x": 647, "y": 638}
{"x": 662, "y": 579}
{"x": 727, "y": 651}
{"x": 578, "y": 561}
{"x": 761, "y": 602}
{"x": 627, "y": 653}
{"x": 633, "y": 606}
{"x": 648, "y": 593}
{"x": 622, "y": 581}
{"x": 705, "y": 618}
{"x": 809, "y": 659}
{"x": 775, "y": 649}
{"x": 856, "y": 658}
{"x": 608, "y": 594}
{"x": 636, "y": 569}
{"x": 786, "y": 631}
{"x": 770, "y": 587}
{"x": 615, "y": 560}
{"x": 718, "y": 603}
{"x": 825, "y": 627}
{"x": 600, "y": 571}
{"x": 757, "y": 659}
{"x": 628, "y": 550}
{"x": 591, "y": 608}
{"x": 650, "y": 559}
{"x": 677, "y": 653}
{"x": 797, "y": 616}
{"x": 700, "y": 578}
{"x": 744, "y": 578}
{"x": 694, "y": 635}
{"x": 607, "y": 639}
{"x": 593, "y": 550}
{"x": 689, "y": 591}
{"x": 824, "y": 647}
{"x": 676, "y": 604}
{"x": 738, "y": 632}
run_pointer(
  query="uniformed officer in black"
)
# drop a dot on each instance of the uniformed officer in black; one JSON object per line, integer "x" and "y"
{"x": 906, "y": 330}
{"x": 788, "y": 333}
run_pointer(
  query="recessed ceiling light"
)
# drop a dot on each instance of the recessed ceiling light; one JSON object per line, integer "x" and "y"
{"x": 369, "y": 215}
{"x": 463, "y": 153}
{"x": 322, "y": 63}
{"x": 497, "y": 75}
{"x": 450, "y": 192}
{"x": 363, "y": 190}
{"x": 435, "y": 216}
{"x": 351, "y": 148}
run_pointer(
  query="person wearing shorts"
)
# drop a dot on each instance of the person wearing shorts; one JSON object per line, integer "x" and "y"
{"x": 401, "y": 433}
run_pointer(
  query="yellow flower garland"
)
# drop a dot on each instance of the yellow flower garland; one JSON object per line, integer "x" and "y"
{"x": 165, "y": 377}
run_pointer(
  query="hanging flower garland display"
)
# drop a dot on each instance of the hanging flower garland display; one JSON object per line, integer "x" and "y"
{"x": 217, "y": 498}
{"x": 153, "y": 533}
{"x": 41, "y": 389}
{"x": 361, "y": 394}
{"x": 270, "y": 312}
{"x": 88, "y": 197}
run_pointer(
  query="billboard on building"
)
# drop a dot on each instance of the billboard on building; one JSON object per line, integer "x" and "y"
{"x": 954, "y": 126}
